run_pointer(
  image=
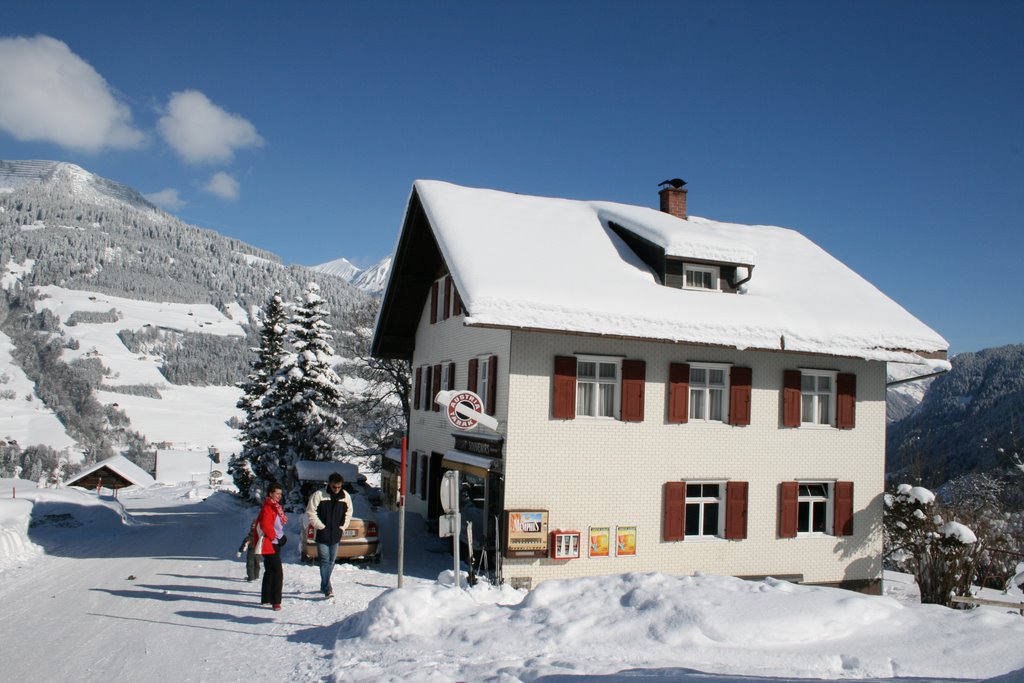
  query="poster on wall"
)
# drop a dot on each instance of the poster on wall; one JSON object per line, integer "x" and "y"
{"x": 625, "y": 541}
{"x": 599, "y": 541}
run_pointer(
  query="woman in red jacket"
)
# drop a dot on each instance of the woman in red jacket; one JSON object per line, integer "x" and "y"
{"x": 271, "y": 521}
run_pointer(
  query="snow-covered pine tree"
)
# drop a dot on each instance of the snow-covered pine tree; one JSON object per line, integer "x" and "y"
{"x": 255, "y": 466}
{"x": 305, "y": 397}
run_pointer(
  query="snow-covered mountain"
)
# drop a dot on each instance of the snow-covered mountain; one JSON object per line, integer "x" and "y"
{"x": 372, "y": 280}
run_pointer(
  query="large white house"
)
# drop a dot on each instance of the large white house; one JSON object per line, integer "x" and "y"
{"x": 673, "y": 394}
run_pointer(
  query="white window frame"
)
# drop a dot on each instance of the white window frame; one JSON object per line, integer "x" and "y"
{"x": 815, "y": 398}
{"x": 598, "y": 382}
{"x": 483, "y": 380}
{"x": 444, "y": 374}
{"x": 705, "y": 390}
{"x": 810, "y": 500}
{"x": 703, "y": 501}
{"x": 714, "y": 271}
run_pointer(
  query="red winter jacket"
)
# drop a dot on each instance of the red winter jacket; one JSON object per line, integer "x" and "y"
{"x": 271, "y": 526}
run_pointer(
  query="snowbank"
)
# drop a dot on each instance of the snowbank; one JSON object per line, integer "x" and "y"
{"x": 15, "y": 515}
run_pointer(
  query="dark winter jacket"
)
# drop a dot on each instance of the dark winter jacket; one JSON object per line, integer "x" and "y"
{"x": 329, "y": 513}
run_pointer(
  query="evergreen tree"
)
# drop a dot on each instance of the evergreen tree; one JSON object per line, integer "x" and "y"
{"x": 252, "y": 468}
{"x": 305, "y": 399}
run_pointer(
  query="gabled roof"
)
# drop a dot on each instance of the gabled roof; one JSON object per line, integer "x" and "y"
{"x": 525, "y": 262}
{"x": 124, "y": 471}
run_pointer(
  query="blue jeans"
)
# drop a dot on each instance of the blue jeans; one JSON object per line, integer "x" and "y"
{"x": 325, "y": 553}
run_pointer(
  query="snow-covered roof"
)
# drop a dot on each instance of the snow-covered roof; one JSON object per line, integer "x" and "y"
{"x": 121, "y": 466}
{"x": 541, "y": 263}
{"x": 315, "y": 470}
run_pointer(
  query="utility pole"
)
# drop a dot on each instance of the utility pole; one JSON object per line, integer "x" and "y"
{"x": 401, "y": 512}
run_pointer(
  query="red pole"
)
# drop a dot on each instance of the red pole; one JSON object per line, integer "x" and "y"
{"x": 401, "y": 512}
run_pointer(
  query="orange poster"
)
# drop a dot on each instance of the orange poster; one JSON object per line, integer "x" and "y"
{"x": 625, "y": 541}
{"x": 599, "y": 541}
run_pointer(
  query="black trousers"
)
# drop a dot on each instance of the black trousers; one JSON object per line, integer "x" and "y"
{"x": 273, "y": 579}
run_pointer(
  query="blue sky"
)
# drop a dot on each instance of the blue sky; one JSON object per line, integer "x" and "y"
{"x": 890, "y": 133}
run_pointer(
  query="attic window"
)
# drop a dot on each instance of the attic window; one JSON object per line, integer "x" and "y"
{"x": 700, "y": 277}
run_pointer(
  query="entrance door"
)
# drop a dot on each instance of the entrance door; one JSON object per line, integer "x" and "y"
{"x": 434, "y": 475}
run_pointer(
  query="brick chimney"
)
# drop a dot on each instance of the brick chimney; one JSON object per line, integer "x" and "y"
{"x": 673, "y": 201}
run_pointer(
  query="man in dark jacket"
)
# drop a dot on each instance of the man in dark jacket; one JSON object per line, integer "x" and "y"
{"x": 329, "y": 511}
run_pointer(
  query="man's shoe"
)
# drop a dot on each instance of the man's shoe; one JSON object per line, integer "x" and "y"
{"x": 277, "y": 608}
{"x": 328, "y": 594}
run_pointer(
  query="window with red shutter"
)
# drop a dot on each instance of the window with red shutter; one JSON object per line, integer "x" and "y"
{"x": 678, "y": 392}
{"x": 471, "y": 375}
{"x": 433, "y": 303}
{"x": 791, "y": 398}
{"x": 436, "y": 387}
{"x": 447, "y": 297}
{"x": 736, "y": 510}
{"x": 788, "y": 508}
{"x": 740, "y": 380}
{"x": 634, "y": 373}
{"x": 563, "y": 403}
{"x": 843, "y": 509}
{"x": 675, "y": 511}
{"x": 490, "y": 401}
{"x": 846, "y": 400}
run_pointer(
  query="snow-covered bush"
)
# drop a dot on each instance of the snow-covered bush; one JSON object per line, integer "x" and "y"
{"x": 941, "y": 555}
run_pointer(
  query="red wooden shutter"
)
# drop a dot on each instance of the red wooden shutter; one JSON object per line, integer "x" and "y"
{"x": 433, "y": 303}
{"x": 492, "y": 385}
{"x": 435, "y": 387}
{"x": 843, "y": 523}
{"x": 846, "y": 400}
{"x": 417, "y": 390}
{"x": 736, "y": 509}
{"x": 791, "y": 398}
{"x": 457, "y": 304}
{"x": 563, "y": 405}
{"x": 740, "y": 380}
{"x": 678, "y": 392}
{"x": 788, "y": 508}
{"x": 451, "y": 377}
{"x": 471, "y": 379}
{"x": 412, "y": 472}
{"x": 427, "y": 384}
{"x": 674, "y": 526}
{"x": 447, "y": 296}
{"x": 634, "y": 373}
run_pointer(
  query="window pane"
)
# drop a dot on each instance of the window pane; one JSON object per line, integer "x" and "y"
{"x": 692, "y": 519}
{"x": 819, "y": 517}
{"x": 584, "y": 398}
{"x": 697, "y": 375}
{"x": 607, "y": 370}
{"x": 807, "y": 383}
{"x": 716, "y": 376}
{"x": 825, "y": 384}
{"x": 716, "y": 404}
{"x": 818, "y": 490}
{"x": 823, "y": 407}
{"x": 607, "y": 408}
{"x": 803, "y": 522}
{"x": 586, "y": 370}
{"x": 693, "y": 490}
{"x": 807, "y": 414}
{"x": 697, "y": 404}
{"x": 711, "y": 490}
{"x": 711, "y": 519}
{"x": 706, "y": 280}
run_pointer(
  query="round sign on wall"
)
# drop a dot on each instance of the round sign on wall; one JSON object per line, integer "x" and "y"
{"x": 464, "y": 408}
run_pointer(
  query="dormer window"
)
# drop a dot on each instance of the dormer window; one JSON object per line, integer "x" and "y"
{"x": 700, "y": 277}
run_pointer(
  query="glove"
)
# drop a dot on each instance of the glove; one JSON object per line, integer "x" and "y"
{"x": 280, "y": 543}
{"x": 238, "y": 554}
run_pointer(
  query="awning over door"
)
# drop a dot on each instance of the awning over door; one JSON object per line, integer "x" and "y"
{"x": 471, "y": 463}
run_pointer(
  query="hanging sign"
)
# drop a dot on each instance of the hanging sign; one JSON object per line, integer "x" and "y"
{"x": 464, "y": 409}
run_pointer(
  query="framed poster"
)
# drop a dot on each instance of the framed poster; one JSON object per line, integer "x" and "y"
{"x": 599, "y": 541}
{"x": 625, "y": 541}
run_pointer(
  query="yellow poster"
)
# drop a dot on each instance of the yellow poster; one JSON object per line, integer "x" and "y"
{"x": 625, "y": 541}
{"x": 599, "y": 541}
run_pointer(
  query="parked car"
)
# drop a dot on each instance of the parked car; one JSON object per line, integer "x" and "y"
{"x": 360, "y": 540}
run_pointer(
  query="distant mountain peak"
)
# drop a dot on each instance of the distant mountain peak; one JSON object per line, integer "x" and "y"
{"x": 15, "y": 174}
{"x": 372, "y": 280}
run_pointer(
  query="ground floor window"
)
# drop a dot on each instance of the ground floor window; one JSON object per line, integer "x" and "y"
{"x": 703, "y": 509}
{"x": 814, "y": 500}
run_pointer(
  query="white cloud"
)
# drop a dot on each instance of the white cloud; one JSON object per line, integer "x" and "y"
{"x": 201, "y": 132}
{"x": 49, "y": 94}
{"x": 167, "y": 198}
{"x": 223, "y": 185}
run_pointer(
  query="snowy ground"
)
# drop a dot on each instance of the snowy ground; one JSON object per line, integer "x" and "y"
{"x": 147, "y": 587}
